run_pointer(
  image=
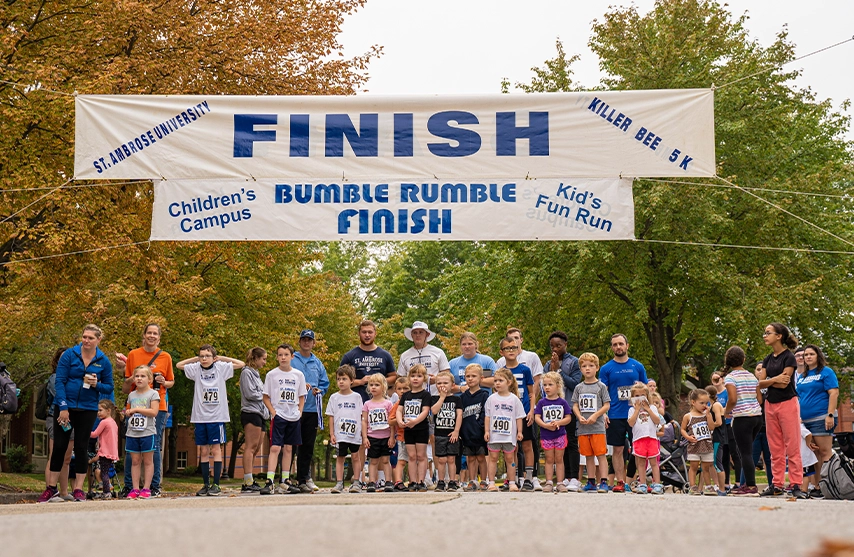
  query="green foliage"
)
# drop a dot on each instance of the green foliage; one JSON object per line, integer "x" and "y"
{"x": 18, "y": 458}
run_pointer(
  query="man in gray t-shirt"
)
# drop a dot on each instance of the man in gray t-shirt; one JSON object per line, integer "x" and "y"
{"x": 591, "y": 400}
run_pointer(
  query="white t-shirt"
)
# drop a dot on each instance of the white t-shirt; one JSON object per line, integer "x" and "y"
{"x": 285, "y": 389}
{"x": 346, "y": 411}
{"x": 210, "y": 401}
{"x": 503, "y": 411}
{"x": 808, "y": 457}
{"x": 645, "y": 427}
{"x": 530, "y": 359}
{"x": 430, "y": 357}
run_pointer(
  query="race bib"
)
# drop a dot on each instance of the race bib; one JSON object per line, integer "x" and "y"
{"x": 624, "y": 393}
{"x": 701, "y": 431}
{"x": 137, "y": 422}
{"x": 411, "y": 409}
{"x": 347, "y": 428}
{"x": 552, "y": 413}
{"x": 500, "y": 425}
{"x": 288, "y": 395}
{"x": 378, "y": 419}
{"x": 210, "y": 396}
{"x": 588, "y": 402}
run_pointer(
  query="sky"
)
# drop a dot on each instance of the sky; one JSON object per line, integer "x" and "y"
{"x": 468, "y": 46}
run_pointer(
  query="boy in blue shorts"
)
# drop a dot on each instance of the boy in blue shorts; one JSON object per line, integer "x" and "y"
{"x": 345, "y": 427}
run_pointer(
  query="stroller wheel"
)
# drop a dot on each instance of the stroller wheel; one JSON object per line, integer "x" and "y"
{"x": 686, "y": 488}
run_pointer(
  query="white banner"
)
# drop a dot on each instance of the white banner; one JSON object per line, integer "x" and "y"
{"x": 574, "y": 209}
{"x": 368, "y": 138}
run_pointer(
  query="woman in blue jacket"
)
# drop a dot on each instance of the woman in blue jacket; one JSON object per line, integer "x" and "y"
{"x": 82, "y": 375}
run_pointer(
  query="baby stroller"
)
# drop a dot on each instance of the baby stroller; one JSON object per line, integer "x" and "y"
{"x": 673, "y": 466}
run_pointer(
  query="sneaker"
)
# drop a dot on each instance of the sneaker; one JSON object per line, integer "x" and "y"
{"x": 549, "y": 487}
{"x": 289, "y": 488}
{"x": 472, "y": 486}
{"x": 399, "y": 486}
{"x": 413, "y": 487}
{"x": 146, "y": 494}
{"x": 772, "y": 491}
{"x": 48, "y": 494}
{"x": 561, "y": 488}
{"x": 589, "y": 487}
{"x": 440, "y": 486}
{"x": 721, "y": 493}
{"x": 304, "y": 488}
{"x": 134, "y": 494}
{"x": 310, "y": 483}
{"x": 797, "y": 493}
{"x": 251, "y": 488}
{"x": 527, "y": 486}
{"x": 214, "y": 490}
{"x": 124, "y": 492}
{"x": 422, "y": 487}
{"x": 67, "y": 497}
{"x": 657, "y": 489}
{"x": 603, "y": 487}
{"x": 268, "y": 488}
{"x": 506, "y": 486}
{"x": 492, "y": 488}
{"x": 536, "y": 482}
{"x": 574, "y": 485}
{"x": 372, "y": 487}
{"x": 428, "y": 483}
{"x": 200, "y": 493}
{"x": 453, "y": 486}
{"x": 355, "y": 487}
{"x": 90, "y": 495}
{"x": 103, "y": 496}
{"x": 619, "y": 487}
{"x": 78, "y": 495}
{"x": 640, "y": 489}
{"x": 694, "y": 490}
{"x": 156, "y": 492}
{"x": 339, "y": 487}
{"x": 816, "y": 493}
{"x": 483, "y": 485}
{"x": 513, "y": 487}
{"x": 710, "y": 490}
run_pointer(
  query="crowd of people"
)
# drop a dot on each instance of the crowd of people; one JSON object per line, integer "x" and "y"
{"x": 447, "y": 424}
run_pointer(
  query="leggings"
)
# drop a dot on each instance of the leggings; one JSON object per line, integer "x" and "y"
{"x": 745, "y": 429}
{"x": 104, "y": 463}
{"x": 81, "y": 422}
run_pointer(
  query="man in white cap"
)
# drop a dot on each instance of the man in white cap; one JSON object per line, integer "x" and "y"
{"x": 431, "y": 357}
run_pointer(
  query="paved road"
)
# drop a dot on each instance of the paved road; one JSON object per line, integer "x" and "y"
{"x": 467, "y": 524}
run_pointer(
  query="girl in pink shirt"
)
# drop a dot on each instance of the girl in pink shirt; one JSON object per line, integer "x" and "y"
{"x": 107, "y": 434}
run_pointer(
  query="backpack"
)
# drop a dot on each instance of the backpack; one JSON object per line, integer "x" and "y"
{"x": 837, "y": 478}
{"x": 8, "y": 392}
{"x": 42, "y": 403}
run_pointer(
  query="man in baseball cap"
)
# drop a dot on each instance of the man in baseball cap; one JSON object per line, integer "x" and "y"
{"x": 318, "y": 383}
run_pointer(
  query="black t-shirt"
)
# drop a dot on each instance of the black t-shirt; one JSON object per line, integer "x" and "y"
{"x": 774, "y": 366}
{"x": 412, "y": 404}
{"x": 446, "y": 418}
{"x": 368, "y": 363}
{"x": 474, "y": 417}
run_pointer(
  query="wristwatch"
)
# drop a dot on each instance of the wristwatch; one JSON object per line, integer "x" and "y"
{"x": 830, "y": 415}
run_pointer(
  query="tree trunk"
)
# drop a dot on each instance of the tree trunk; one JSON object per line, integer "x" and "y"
{"x": 668, "y": 354}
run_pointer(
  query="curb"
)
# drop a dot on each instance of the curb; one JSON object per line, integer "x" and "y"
{"x": 13, "y": 498}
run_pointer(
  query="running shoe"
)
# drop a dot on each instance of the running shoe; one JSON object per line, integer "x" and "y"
{"x": 603, "y": 487}
{"x": 134, "y": 494}
{"x": 124, "y": 492}
{"x": 483, "y": 485}
{"x": 453, "y": 486}
{"x": 372, "y": 487}
{"x": 506, "y": 486}
{"x": 589, "y": 487}
{"x": 619, "y": 487}
{"x": 561, "y": 488}
{"x": 387, "y": 487}
{"x": 289, "y": 488}
{"x": 214, "y": 490}
{"x": 492, "y": 487}
{"x": 657, "y": 489}
{"x": 48, "y": 494}
{"x": 816, "y": 493}
{"x": 250, "y": 488}
{"x": 422, "y": 487}
{"x": 67, "y": 497}
{"x": 399, "y": 486}
{"x": 440, "y": 486}
{"x": 574, "y": 485}
{"x": 103, "y": 496}
{"x": 772, "y": 491}
{"x": 200, "y": 493}
{"x": 472, "y": 486}
{"x": 513, "y": 487}
{"x": 797, "y": 493}
{"x": 146, "y": 494}
{"x": 549, "y": 487}
{"x": 339, "y": 487}
{"x": 537, "y": 486}
{"x": 640, "y": 489}
{"x": 413, "y": 487}
{"x": 721, "y": 493}
{"x": 527, "y": 486}
{"x": 156, "y": 492}
{"x": 269, "y": 489}
{"x": 310, "y": 483}
{"x": 78, "y": 495}
{"x": 745, "y": 490}
{"x": 694, "y": 490}
{"x": 304, "y": 488}
{"x": 710, "y": 490}
{"x": 356, "y": 487}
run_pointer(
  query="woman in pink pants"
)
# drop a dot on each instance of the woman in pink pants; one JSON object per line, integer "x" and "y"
{"x": 782, "y": 413}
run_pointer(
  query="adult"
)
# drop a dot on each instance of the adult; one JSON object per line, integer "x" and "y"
{"x": 431, "y": 357}
{"x": 317, "y": 383}
{"x": 567, "y": 365}
{"x": 254, "y": 415}
{"x": 470, "y": 355}
{"x": 160, "y": 362}
{"x": 82, "y": 373}
{"x": 653, "y": 386}
{"x": 619, "y": 375}
{"x": 782, "y": 418}
{"x": 761, "y": 451}
{"x": 48, "y": 426}
{"x": 818, "y": 391}
{"x": 368, "y": 358}
{"x": 742, "y": 406}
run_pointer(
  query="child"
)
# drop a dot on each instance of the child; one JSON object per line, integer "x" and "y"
{"x": 210, "y": 409}
{"x": 448, "y": 411}
{"x": 644, "y": 420}
{"x": 697, "y": 427}
{"x": 808, "y": 458}
{"x": 401, "y": 386}
{"x": 345, "y": 426}
{"x": 142, "y": 407}
{"x": 107, "y": 434}
{"x": 377, "y": 434}
{"x": 719, "y": 438}
{"x": 503, "y": 428}
{"x": 284, "y": 397}
{"x": 473, "y": 402}
{"x": 412, "y": 417}
{"x": 590, "y": 403}
{"x": 553, "y": 414}
{"x": 525, "y": 382}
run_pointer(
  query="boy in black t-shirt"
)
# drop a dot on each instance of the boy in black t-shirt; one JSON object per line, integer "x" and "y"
{"x": 412, "y": 417}
{"x": 473, "y": 402}
{"x": 449, "y": 418}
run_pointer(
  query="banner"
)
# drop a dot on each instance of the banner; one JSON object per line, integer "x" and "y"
{"x": 574, "y": 209}
{"x": 368, "y": 138}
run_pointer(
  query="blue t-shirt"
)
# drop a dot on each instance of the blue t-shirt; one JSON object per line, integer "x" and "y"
{"x": 458, "y": 367}
{"x": 812, "y": 391}
{"x": 619, "y": 379}
{"x": 723, "y": 398}
{"x": 523, "y": 376}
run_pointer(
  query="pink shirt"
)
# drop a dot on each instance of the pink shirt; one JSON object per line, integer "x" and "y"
{"x": 378, "y": 416}
{"x": 107, "y": 433}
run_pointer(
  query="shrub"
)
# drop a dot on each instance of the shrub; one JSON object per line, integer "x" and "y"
{"x": 18, "y": 460}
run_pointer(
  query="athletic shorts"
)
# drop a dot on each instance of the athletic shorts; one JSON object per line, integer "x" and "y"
{"x": 527, "y": 431}
{"x": 344, "y": 449}
{"x": 501, "y": 447}
{"x": 444, "y": 447}
{"x": 558, "y": 443}
{"x": 592, "y": 444}
{"x": 402, "y": 454}
{"x": 617, "y": 432}
{"x": 140, "y": 444}
{"x": 647, "y": 447}
{"x": 416, "y": 436}
{"x": 817, "y": 429}
{"x": 251, "y": 418}
{"x": 210, "y": 434}
{"x": 702, "y": 457}
{"x": 378, "y": 447}
{"x": 48, "y": 426}
{"x": 474, "y": 450}
{"x": 809, "y": 471}
{"x": 283, "y": 432}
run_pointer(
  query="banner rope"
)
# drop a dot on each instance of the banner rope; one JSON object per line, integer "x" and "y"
{"x": 99, "y": 184}
{"x": 43, "y": 257}
{"x": 663, "y": 181}
{"x": 737, "y": 246}
{"x": 37, "y": 200}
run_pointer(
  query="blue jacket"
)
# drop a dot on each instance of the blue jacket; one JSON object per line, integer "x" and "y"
{"x": 70, "y": 394}
{"x": 315, "y": 376}
{"x": 569, "y": 372}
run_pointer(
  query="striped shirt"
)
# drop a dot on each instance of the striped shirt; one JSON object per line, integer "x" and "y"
{"x": 745, "y": 384}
